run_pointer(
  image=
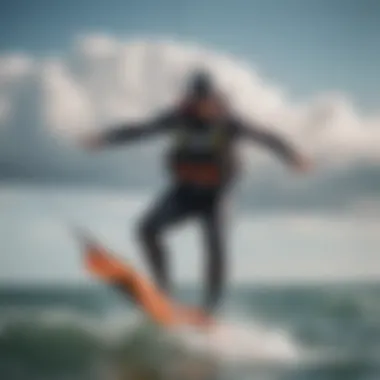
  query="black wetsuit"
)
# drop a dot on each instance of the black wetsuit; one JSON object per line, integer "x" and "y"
{"x": 201, "y": 142}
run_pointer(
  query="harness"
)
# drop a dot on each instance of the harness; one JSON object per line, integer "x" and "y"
{"x": 199, "y": 155}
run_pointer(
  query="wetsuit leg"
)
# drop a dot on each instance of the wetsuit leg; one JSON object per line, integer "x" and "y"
{"x": 169, "y": 210}
{"x": 214, "y": 234}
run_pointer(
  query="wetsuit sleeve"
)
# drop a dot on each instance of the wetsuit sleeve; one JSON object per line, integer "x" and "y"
{"x": 257, "y": 134}
{"x": 137, "y": 131}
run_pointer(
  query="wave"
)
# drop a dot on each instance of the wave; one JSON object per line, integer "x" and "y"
{"x": 311, "y": 330}
{"x": 239, "y": 341}
{"x": 57, "y": 340}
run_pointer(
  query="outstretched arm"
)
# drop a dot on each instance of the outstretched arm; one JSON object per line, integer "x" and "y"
{"x": 131, "y": 132}
{"x": 277, "y": 144}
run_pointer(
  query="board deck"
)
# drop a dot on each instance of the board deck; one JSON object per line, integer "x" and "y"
{"x": 103, "y": 264}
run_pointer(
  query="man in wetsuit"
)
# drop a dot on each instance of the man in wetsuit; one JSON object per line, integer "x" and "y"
{"x": 202, "y": 168}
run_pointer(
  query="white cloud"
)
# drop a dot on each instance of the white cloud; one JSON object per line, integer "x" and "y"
{"x": 104, "y": 79}
{"x": 14, "y": 70}
{"x": 14, "y": 67}
{"x": 66, "y": 103}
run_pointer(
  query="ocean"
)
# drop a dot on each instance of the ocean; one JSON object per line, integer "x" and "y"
{"x": 311, "y": 332}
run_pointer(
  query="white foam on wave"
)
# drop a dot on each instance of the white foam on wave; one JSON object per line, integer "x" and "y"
{"x": 243, "y": 342}
{"x": 234, "y": 341}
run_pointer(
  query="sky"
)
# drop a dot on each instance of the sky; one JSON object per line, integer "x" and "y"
{"x": 306, "y": 70}
{"x": 308, "y": 47}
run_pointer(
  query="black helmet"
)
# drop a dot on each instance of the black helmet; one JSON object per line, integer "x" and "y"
{"x": 201, "y": 84}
